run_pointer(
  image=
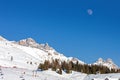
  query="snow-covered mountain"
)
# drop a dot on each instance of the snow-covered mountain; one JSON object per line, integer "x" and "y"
{"x": 109, "y": 63}
{"x": 28, "y": 54}
{"x": 19, "y": 61}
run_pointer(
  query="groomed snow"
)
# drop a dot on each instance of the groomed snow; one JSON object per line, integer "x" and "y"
{"x": 25, "y": 74}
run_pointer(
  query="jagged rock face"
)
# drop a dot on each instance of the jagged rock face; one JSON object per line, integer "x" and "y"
{"x": 22, "y": 42}
{"x": 47, "y": 47}
{"x": 32, "y": 43}
{"x": 28, "y": 42}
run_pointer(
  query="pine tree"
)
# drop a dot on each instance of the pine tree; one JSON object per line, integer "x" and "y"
{"x": 69, "y": 66}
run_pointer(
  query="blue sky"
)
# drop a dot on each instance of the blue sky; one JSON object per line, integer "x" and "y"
{"x": 66, "y": 25}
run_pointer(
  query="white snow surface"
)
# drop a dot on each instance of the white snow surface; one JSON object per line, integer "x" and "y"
{"x": 25, "y": 74}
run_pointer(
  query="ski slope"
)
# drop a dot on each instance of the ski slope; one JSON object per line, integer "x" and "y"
{"x": 25, "y": 74}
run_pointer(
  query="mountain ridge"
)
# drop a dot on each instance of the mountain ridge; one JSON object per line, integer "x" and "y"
{"x": 38, "y": 53}
{"x": 28, "y": 55}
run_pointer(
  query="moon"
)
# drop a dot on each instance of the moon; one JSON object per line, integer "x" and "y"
{"x": 90, "y": 11}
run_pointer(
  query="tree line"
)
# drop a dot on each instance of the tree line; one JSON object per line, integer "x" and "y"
{"x": 70, "y": 66}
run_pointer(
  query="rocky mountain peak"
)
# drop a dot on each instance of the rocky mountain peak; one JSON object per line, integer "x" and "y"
{"x": 28, "y": 42}
{"x": 47, "y": 47}
{"x": 109, "y": 63}
{"x": 32, "y": 43}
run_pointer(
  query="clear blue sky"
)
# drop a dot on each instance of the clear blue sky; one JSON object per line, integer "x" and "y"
{"x": 66, "y": 26}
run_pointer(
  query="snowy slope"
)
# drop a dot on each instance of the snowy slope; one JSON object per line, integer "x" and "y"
{"x": 15, "y": 55}
{"x": 24, "y": 74}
